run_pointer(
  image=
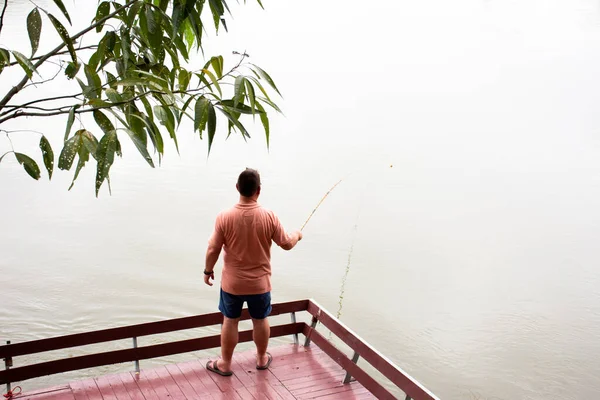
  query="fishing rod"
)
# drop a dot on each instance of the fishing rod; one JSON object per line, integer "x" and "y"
{"x": 320, "y": 202}
{"x": 323, "y": 199}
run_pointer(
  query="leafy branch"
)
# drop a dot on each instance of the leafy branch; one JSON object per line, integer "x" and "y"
{"x": 137, "y": 73}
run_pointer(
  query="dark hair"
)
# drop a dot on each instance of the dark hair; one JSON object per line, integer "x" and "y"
{"x": 248, "y": 182}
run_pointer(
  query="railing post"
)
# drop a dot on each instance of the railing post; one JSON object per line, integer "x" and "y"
{"x": 7, "y": 364}
{"x": 137, "y": 362}
{"x": 293, "y": 314}
{"x": 313, "y": 325}
{"x": 348, "y": 377}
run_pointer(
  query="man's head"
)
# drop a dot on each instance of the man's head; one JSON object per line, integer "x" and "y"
{"x": 248, "y": 183}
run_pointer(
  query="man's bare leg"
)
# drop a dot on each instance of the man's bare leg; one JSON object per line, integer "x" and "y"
{"x": 260, "y": 333}
{"x": 229, "y": 339}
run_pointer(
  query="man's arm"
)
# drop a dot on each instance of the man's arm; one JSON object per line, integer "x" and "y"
{"x": 294, "y": 239}
{"x": 212, "y": 255}
{"x": 215, "y": 243}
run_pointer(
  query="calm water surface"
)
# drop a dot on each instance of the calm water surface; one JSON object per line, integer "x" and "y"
{"x": 475, "y": 258}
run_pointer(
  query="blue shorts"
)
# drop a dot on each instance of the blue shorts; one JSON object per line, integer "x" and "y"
{"x": 259, "y": 305}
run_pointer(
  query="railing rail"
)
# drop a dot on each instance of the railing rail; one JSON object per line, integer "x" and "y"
{"x": 128, "y": 332}
{"x": 401, "y": 379}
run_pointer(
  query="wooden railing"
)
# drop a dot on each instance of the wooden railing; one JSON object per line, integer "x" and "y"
{"x": 401, "y": 379}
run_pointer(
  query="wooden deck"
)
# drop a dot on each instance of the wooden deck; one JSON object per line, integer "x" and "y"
{"x": 296, "y": 373}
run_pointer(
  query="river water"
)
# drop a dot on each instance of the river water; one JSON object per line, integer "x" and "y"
{"x": 468, "y": 137}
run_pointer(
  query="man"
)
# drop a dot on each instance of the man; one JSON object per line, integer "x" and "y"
{"x": 245, "y": 233}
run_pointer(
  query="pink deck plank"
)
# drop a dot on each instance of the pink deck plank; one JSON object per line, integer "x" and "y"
{"x": 169, "y": 383}
{"x": 133, "y": 390}
{"x": 118, "y": 387}
{"x": 295, "y": 373}
{"x": 149, "y": 377}
{"x": 49, "y": 394}
{"x": 182, "y": 382}
{"x": 91, "y": 389}
{"x": 194, "y": 381}
{"x": 105, "y": 389}
{"x": 78, "y": 390}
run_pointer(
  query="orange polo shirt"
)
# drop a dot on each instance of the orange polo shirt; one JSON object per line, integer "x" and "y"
{"x": 245, "y": 233}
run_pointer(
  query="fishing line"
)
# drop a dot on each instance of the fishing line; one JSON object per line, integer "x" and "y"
{"x": 343, "y": 286}
{"x": 349, "y": 262}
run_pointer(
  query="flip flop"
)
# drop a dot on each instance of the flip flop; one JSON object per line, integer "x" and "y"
{"x": 215, "y": 368}
{"x": 268, "y": 364}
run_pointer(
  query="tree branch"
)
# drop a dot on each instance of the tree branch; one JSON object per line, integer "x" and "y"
{"x": 60, "y": 53}
{"x": 46, "y": 80}
{"x": 71, "y": 96}
{"x": 2, "y": 15}
{"x": 19, "y": 87}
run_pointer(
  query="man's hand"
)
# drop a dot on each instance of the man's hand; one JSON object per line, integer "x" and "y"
{"x": 207, "y": 278}
{"x": 299, "y": 233}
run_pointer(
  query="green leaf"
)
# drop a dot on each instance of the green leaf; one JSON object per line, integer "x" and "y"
{"x": 64, "y": 35}
{"x": 147, "y": 106}
{"x": 270, "y": 103}
{"x": 217, "y": 10}
{"x": 239, "y": 90}
{"x": 152, "y": 30}
{"x": 213, "y": 80}
{"x": 103, "y": 11}
{"x": 217, "y": 64}
{"x": 105, "y": 155}
{"x": 133, "y": 11}
{"x": 184, "y": 78}
{"x": 183, "y": 110}
{"x": 84, "y": 156}
{"x": 113, "y": 95}
{"x": 103, "y": 122}
{"x": 70, "y": 149}
{"x": 85, "y": 145}
{"x": 111, "y": 40}
{"x": 94, "y": 82}
{"x": 125, "y": 48}
{"x": 70, "y": 121}
{"x": 111, "y": 80}
{"x": 235, "y": 122}
{"x": 212, "y": 125}
{"x": 34, "y": 29}
{"x": 29, "y": 165}
{"x": 99, "y": 103}
{"x": 189, "y": 33}
{"x": 201, "y": 114}
{"x": 251, "y": 95}
{"x": 266, "y": 76}
{"x": 264, "y": 118}
{"x": 177, "y": 17}
{"x": 89, "y": 141}
{"x": 257, "y": 83}
{"x": 48, "y": 155}
{"x": 166, "y": 118}
{"x": 140, "y": 145}
{"x": 60, "y": 5}
{"x": 25, "y": 63}
{"x": 178, "y": 41}
{"x": 72, "y": 70}
{"x": 155, "y": 136}
{"x": 240, "y": 108}
{"x": 4, "y": 58}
